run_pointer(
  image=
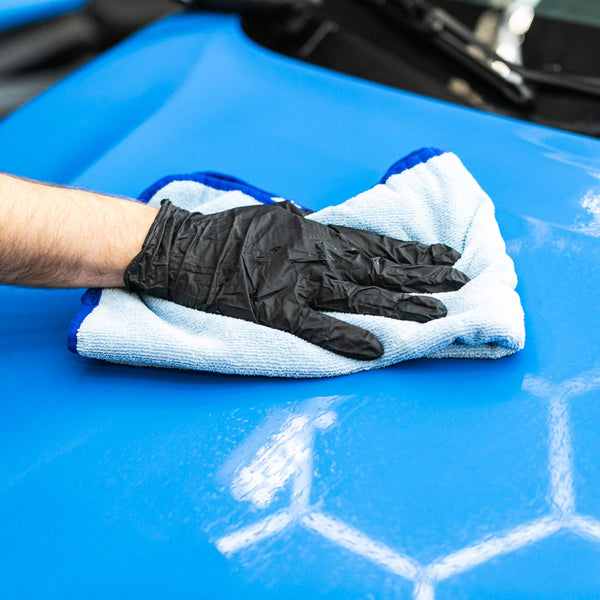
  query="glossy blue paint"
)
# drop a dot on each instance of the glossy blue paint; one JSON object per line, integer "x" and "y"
{"x": 127, "y": 482}
{"x": 16, "y": 13}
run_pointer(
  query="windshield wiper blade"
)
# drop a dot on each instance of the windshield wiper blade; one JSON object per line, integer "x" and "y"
{"x": 455, "y": 39}
{"x": 458, "y": 41}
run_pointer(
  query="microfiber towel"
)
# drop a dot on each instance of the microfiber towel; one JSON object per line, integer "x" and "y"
{"x": 428, "y": 196}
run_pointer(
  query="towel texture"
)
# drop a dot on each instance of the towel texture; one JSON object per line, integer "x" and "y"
{"x": 428, "y": 196}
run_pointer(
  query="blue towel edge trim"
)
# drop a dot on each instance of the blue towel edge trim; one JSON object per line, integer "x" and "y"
{"x": 217, "y": 181}
{"x": 89, "y": 301}
{"x": 422, "y": 155}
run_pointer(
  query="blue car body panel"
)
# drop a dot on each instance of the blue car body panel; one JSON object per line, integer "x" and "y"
{"x": 16, "y": 13}
{"x": 449, "y": 479}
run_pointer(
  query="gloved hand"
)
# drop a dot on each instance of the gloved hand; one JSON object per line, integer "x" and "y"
{"x": 269, "y": 265}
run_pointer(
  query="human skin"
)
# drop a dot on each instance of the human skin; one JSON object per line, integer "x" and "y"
{"x": 60, "y": 237}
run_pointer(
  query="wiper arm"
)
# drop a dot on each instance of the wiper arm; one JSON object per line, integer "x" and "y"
{"x": 459, "y": 42}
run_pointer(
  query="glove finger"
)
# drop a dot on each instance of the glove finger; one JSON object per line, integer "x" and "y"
{"x": 402, "y": 252}
{"x": 344, "y": 296}
{"x": 427, "y": 279}
{"x": 335, "y": 335}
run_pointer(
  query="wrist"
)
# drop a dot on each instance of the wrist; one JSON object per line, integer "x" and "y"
{"x": 134, "y": 221}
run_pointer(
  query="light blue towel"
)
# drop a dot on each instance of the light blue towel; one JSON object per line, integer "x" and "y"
{"x": 429, "y": 196}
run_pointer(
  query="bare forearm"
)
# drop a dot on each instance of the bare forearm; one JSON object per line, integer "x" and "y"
{"x": 62, "y": 237}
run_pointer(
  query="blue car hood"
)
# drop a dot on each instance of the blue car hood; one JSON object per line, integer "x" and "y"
{"x": 446, "y": 479}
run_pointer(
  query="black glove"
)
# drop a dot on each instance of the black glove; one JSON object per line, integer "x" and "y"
{"x": 270, "y": 265}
